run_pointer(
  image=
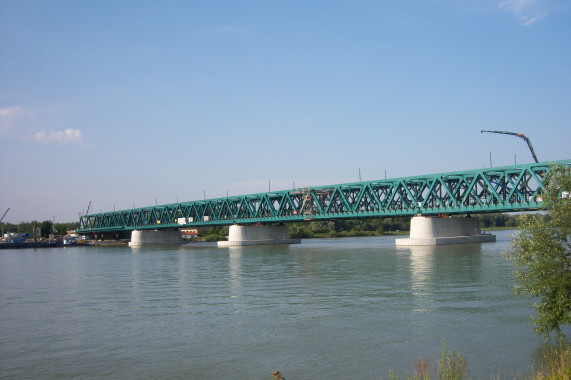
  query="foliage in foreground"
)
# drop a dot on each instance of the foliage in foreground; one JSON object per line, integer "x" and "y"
{"x": 554, "y": 364}
{"x": 541, "y": 255}
{"x": 451, "y": 367}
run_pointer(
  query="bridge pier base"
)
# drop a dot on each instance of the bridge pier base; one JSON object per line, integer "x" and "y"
{"x": 258, "y": 235}
{"x": 155, "y": 237}
{"x": 439, "y": 231}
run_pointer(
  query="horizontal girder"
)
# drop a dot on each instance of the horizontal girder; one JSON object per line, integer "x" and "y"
{"x": 503, "y": 189}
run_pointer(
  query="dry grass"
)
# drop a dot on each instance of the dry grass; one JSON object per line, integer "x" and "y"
{"x": 554, "y": 364}
{"x": 450, "y": 367}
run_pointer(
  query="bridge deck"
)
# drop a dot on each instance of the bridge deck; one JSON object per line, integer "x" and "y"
{"x": 502, "y": 189}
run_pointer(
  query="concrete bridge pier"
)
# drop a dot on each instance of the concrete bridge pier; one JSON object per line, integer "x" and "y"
{"x": 258, "y": 235}
{"x": 439, "y": 231}
{"x": 155, "y": 237}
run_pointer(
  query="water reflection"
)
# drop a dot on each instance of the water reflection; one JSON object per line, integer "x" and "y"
{"x": 235, "y": 268}
{"x": 136, "y": 277}
{"x": 421, "y": 269}
{"x": 438, "y": 270}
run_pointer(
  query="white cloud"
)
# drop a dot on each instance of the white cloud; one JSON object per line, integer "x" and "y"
{"x": 69, "y": 136}
{"x": 526, "y": 12}
{"x": 8, "y": 118}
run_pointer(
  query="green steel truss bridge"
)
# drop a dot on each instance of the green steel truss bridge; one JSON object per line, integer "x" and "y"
{"x": 502, "y": 189}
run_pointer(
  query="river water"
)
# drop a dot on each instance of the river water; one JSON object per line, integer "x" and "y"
{"x": 347, "y": 308}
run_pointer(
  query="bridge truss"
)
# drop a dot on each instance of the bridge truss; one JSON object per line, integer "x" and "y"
{"x": 502, "y": 189}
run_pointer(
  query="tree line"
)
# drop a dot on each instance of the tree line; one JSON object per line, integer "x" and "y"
{"x": 381, "y": 226}
{"x": 48, "y": 228}
{"x": 359, "y": 227}
{"x": 314, "y": 229}
{"x": 349, "y": 227}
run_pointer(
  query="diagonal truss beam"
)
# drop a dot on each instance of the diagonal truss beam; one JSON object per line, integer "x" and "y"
{"x": 504, "y": 189}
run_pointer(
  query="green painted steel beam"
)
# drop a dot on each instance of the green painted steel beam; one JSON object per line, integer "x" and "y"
{"x": 502, "y": 189}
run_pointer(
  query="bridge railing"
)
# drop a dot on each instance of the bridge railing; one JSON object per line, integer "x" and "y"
{"x": 502, "y": 189}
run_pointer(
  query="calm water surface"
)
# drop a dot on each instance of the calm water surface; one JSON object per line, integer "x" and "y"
{"x": 340, "y": 308}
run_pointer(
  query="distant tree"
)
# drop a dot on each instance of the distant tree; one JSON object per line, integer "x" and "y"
{"x": 512, "y": 222}
{"x": 47, "y": 228}
{"x": 62, "y": 228}
{"x": 10, "y": 227}
{"x": 27, "y": 227}
{"x": 541, "y": 255}
{"x": 500, "y": 220}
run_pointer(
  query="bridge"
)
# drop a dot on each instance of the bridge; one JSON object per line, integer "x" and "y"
{"x": 501, "y": 189}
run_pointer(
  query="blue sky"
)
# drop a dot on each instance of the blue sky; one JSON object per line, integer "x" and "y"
{"x": 122, "y": 103}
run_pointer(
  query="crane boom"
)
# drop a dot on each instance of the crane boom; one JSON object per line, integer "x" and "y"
{"x": 1, "y": 219}
{"x": 520, "y": 135}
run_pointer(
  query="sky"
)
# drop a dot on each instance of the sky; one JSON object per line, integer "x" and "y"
{"x": 121, "y": 104}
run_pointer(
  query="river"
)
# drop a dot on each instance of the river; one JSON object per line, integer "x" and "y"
{"x": 348, "y": 308}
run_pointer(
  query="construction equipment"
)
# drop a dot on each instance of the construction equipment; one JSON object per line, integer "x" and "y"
{"x": 521, "y": 135}
{"x": 1, "y": 219}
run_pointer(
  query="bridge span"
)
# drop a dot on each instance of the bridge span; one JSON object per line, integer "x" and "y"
{"x": 501, "y": 189}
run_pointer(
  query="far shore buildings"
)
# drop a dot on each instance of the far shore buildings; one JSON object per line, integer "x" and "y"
{"x": 188, "y": 233}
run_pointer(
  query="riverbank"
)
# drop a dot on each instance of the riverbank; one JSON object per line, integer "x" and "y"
{"x": 352, "y": 233}
{"x": 109, "y": 243}
{"x": 40, "y": 244}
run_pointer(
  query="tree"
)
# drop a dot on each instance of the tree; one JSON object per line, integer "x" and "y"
{"x": 47, "y": 228}
{"x": 541, "y": 255}
{"x": 62, "y": 228}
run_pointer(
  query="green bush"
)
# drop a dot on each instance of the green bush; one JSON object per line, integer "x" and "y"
{"x": 211, "y": 238}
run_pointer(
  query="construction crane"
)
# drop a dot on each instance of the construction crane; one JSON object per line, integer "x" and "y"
{"x": 520, "y": 135}
{"x": 1, "y": 219}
